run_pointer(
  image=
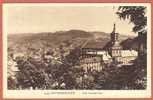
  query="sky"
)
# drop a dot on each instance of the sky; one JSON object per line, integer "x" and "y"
{"x": 35, "y": 18}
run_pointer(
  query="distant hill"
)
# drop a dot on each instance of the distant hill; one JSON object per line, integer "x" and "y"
{"x": 20, "y": 42}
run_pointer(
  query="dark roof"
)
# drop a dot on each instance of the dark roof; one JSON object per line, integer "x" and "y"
{"x": 95, "y": 44}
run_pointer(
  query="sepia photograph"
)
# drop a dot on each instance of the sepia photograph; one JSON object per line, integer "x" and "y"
{"x": 80, "y": 47}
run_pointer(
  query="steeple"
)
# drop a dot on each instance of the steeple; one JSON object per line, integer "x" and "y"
{"x": 114, "y": 35}
{"x": 116, "y": 48}
{"x": 114, "y": 28}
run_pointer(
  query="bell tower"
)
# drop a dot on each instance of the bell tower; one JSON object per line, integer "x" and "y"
{"x": 114, "y": 35}
{"x": 115, "y": 48}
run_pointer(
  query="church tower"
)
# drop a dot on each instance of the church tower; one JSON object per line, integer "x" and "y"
{"x": 115, "y": 48}
{"x": 114, "y": 35}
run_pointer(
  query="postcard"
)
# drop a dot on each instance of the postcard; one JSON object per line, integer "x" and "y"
{"x": 76, "y": 50}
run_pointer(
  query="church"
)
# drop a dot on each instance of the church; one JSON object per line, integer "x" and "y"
{"x": 94, "y": 56}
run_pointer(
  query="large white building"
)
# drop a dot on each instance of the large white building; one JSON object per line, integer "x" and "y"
{"x": 95, "y": 54}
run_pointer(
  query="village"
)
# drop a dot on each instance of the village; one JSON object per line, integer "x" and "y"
{"x": 87, "y": 58}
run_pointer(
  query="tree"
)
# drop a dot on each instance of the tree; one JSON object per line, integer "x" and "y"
{"x": 74, "y": 56}
{"x": 136, "y": 15}
{"x": 30, "y": 75}
{"x": 11, "y": 83}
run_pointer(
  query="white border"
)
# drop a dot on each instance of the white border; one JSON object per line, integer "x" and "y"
{"x": 77, "y": 93}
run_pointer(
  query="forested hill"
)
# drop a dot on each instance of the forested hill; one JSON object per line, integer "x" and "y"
{"x": 53, "y": 40}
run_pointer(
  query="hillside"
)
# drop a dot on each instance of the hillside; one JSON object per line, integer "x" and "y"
{"x": 134, "y": 43}
{"x": 21, "y": 42}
